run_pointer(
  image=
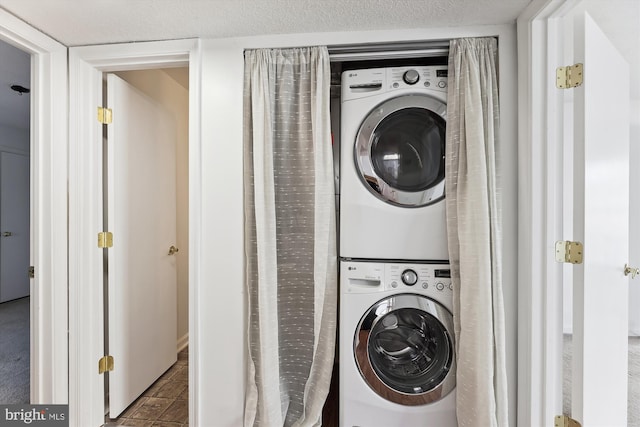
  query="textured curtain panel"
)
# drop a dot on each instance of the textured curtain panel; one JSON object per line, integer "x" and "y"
{"x": 474, "y": 229}
{"x": 290, "y": 231}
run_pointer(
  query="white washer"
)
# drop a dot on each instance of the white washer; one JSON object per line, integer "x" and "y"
{"x": 392, "y": 163}
{"x": 397, "y": 351}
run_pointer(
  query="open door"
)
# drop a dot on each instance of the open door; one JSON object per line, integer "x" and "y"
{"x": 14, "y": 226}
{"x": 141, "y": 214}
{"x": 601, "y": 222}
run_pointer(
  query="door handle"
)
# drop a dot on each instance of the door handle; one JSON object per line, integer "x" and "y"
{"x": 631, "y": 271}
{"x": 7, "y": 234}
{"x": 173, "y": 250}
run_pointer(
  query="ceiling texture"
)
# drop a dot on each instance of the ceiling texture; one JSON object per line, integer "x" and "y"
{"x": 86, "y": 22}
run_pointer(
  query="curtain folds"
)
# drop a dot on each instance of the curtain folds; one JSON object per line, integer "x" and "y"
{"x": 474, "y": 230}
{"x": 290, "y": 230}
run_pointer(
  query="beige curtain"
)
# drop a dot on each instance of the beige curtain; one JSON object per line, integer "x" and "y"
{"x": 290, "y": 234}
{"x": 474, "y": 229}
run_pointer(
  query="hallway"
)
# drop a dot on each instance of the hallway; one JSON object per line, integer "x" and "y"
{"x": 165, "y": 403}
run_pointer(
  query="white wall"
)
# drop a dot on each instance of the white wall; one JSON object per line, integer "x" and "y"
{"x": 222, "y": 328}
{"x": 14, "y": 139}
{"x": 174, "y": 96}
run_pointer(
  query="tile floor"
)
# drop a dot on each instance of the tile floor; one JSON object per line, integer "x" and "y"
{"x": 165, "y": 403}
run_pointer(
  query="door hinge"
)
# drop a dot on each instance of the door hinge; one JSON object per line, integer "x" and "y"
{"x": 105, "y": 115}
{"x": 105, "y": 364}
{"x": 566, "y": 421}
{"x": 32, "y": 272}
{"x": 569, "y": 77}
{"x": 105, "y": 239}
{"x": 569, "y": 252}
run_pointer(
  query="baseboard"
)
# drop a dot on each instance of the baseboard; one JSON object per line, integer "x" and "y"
{"x": 183, "y": 342}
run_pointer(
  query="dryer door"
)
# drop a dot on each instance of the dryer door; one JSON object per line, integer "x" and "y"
{"x": 404, "y": 349}
{"x": 399, "y": 150}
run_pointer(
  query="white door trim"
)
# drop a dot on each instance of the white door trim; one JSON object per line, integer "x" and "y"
{"x": 540, "y": 214}
{"x": 49, "y": 380}
{"x": 86, "y": 337}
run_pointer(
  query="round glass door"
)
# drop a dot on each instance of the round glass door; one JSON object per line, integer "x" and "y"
{"x": 405, "y": 350}
{"x": 400, "y": 150}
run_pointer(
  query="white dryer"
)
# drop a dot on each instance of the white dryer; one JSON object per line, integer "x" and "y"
{"x": 397, "y": 352}
{"x": 392, "y": 163}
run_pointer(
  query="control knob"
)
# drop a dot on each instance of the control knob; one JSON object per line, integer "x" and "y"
{"x": 409, "y": 277}
{"x": 411, "y": 77}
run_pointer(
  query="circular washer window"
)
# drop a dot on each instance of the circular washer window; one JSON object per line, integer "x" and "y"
{"x": 399, "y": 150}
{"x": 404, "y": 349}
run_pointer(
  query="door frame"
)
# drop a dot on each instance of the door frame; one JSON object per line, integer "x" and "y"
{"x": 540, "y": 213}
{"x": 86, "y": 320}
{"x": 48, "y": 216}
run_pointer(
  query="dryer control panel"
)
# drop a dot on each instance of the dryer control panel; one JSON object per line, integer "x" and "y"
{"x": 367, "y": 82}
{"x": 419, "y": 77}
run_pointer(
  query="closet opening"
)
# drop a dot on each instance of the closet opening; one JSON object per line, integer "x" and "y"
{"x": 357, "y": 57}
{"x": 146, "y": 295}
{"x": 17, "y": 331}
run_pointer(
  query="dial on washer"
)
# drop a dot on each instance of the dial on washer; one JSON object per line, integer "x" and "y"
{"x": 409, "y": 277}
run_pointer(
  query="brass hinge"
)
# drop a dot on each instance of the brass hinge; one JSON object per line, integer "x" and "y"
{"x": 105, "y": 364}
{"x": 32, "y": 272}
{"x": 105, "y": 239}
{"x": 566, "y": 421}
{"x": 105, "y": 115}
{"x": 569, "y": 252}
{"x": 569, "y": 76}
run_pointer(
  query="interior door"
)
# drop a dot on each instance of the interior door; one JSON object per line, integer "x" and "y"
{"x": 14, "y": 226}
{"x": 141, "y": 214}
{"x": 601, "y": 221}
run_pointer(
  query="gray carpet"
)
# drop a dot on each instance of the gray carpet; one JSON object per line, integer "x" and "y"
{"x": 633, "y": 405}
{"x": 14, "y": 351}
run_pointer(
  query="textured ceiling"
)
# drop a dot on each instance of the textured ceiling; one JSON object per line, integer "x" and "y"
{"x": 82, "y": 22}
{"x": 86, "y": 22}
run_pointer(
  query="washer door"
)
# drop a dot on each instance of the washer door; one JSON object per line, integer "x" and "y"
{"x": 404, "y": 349}
{"x": 399, "y": 150}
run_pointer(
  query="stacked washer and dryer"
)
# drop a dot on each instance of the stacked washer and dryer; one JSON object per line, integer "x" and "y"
{"x": 397, "y": 351}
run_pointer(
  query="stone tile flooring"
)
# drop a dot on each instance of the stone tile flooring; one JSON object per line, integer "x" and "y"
{"x": 165, "y": 403}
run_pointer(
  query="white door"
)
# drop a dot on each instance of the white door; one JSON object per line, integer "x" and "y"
{"x": 141, "y": 214}
{"x": 14, "y": 226}
{"x": 601, "y": 221}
